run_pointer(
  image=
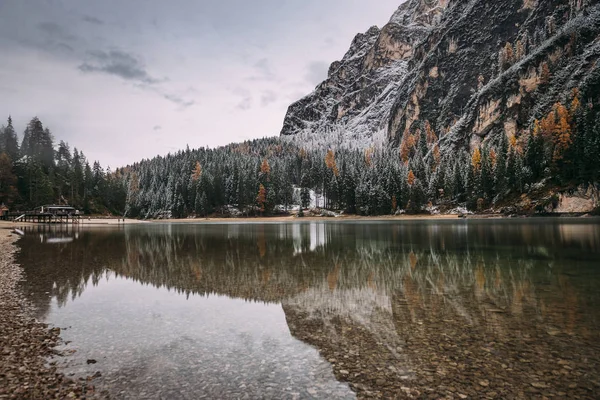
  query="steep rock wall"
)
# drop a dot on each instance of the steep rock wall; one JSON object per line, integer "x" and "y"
{"x": 472, "y": 69}
{"x": 361, "y": 88}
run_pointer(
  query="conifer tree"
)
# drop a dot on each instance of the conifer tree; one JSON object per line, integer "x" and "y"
{"x": 9, "y": 143}
{"x": 500, "y": 169}
{"x": 8, "y": 180}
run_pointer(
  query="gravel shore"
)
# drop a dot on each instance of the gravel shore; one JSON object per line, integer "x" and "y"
{"x": 26, "y": 344}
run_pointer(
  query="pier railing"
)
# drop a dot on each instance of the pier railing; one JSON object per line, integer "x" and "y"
{"x": 40, "y": 217}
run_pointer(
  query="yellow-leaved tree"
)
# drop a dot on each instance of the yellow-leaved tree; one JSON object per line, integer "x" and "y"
{"x": 411, "y": 178}
{"x": 330, "y": 162}
{"x": 197, "y": 172}
{"x": 476, "y": 160}
{"x": 261, "y": 199}
{"x": 265, "y": 168}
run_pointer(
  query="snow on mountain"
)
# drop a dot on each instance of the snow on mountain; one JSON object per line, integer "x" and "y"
{"x": 470, "y": 69}
{"x": 361, "y": 89}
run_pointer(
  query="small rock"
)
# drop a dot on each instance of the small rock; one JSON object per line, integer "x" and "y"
{"x": 539, "y": 385}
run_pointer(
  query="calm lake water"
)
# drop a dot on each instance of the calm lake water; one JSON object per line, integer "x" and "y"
{"x": 493, "y": 308}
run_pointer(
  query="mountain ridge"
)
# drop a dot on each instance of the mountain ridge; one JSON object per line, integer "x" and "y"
{"x": 445, "y": 63}
{"x": 369, "y": 74}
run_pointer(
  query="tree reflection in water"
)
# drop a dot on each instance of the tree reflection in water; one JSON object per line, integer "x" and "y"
{"x": 397, "y": 308}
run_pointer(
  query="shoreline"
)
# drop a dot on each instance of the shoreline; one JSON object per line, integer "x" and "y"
{"x": 292, "y": 218}
{"x": 98, "y": 222}
{"x": 110, "y": 221}
{"x": 27, "y": 344}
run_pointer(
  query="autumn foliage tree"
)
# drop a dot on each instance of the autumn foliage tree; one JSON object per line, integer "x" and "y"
{"x": 264, "y": 175}
{"x": 507, "y": 56}
{"x": 519, "y": 50}
{"x": 556, "y": 130}
{"x": 265, "y": 168}
{"x": 432, "y": 138}
{"x": 197, "y": 172}
{"x": 545, "y": 74}
{"x": 407, "y": 143}
{"x": 330, "y": 163}
{"x": 476, "y": 159}
{"x": 369, "y": 157}
{"x": 261, "y": 198}
{"x": 411, "y": 178}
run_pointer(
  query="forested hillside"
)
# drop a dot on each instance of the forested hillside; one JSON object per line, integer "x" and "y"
{"x": 38, "y": 171}
{"x": 561, "y": 152}
{"x": 493, "y": 107}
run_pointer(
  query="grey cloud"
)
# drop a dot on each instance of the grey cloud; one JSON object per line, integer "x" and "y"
{"x": 245, "y": 104}
{"x": 92, "y": 20}
{"x": 56, "y": 39}
{"x": 130, "y": 68}
{"x": 317, "y": 72}
{"x": 263, "y": 71}
{"x": 64, "y": 46}
{"x": 157, "y": 128}
{"x": 56, "y": 32}
{"x": 118, "y": 63}
{"x": 268, "y": 97}
{"x": 329, "y": 41}
{"x": 178, "y": 100}
{"x": 246, "y": 101}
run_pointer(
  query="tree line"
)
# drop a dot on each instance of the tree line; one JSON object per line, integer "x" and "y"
{"x": 561, "y": 149}
{"x": 259, "y": 177}
{"x": 37, "y": 172}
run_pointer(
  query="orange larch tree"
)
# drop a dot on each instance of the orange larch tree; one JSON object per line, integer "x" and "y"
{"x": 261, "y": 199}
{"x": 411, "y": 178}
{"x": 545, "y": 74}
{"x": 476, "y": 159}
{"x": 265, "y": 168}
{"x": 369, "y": 156}
{"x": 330, "y": 162}
{"x": 430, "y": 133}
{"x": 407, "y": 144}
{"x": 562, "y": 136}
{"x": 493, "y": 158}
{"x": 197, "y": 172}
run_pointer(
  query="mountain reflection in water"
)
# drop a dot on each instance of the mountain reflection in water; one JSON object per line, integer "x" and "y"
{"x": 506, "y": 308}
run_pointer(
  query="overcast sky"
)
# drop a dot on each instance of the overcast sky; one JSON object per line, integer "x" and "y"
{"x": 126, "y": 80}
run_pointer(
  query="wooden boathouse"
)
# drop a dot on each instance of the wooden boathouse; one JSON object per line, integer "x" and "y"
{"x": 44, "y": 214}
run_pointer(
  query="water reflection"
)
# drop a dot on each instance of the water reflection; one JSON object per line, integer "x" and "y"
{"x": 397, "y": 309}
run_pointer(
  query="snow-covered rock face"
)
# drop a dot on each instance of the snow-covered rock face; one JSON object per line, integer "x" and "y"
{"x": 422, "y": 12}
{"x": 478, "y": 74}
{"x": 361, "y": 88}
{"x": 472, "y": 69}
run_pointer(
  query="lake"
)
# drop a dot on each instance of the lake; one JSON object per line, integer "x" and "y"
{"x": 327, "y": 310}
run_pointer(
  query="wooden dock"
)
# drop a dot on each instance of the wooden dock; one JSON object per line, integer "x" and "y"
{"x": 41, "y": 217}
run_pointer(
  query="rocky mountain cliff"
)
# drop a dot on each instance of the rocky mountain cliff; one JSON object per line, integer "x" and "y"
{"x": 361, "y": 88}
{"x": 470, "y": 69}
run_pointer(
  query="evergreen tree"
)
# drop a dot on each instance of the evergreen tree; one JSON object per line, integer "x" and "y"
{"x": 8, "y": 180}
{"x": 9, "y": 142}
{"x": 500, "y": 170}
